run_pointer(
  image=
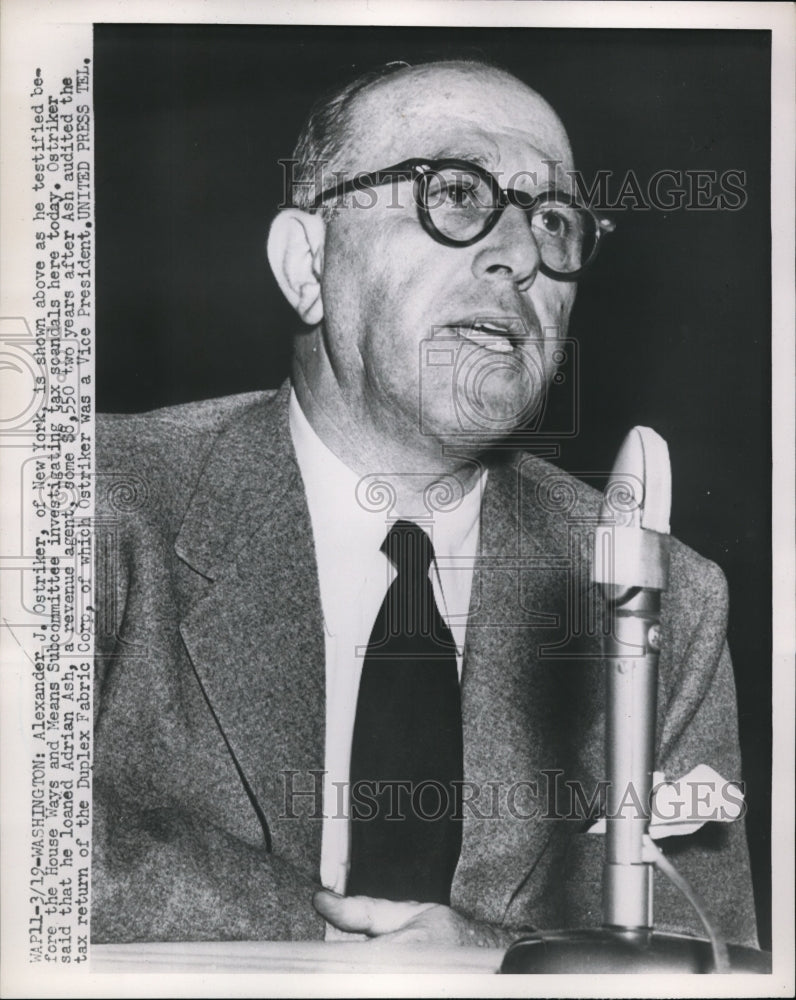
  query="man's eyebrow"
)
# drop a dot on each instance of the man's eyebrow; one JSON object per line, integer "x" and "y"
{"x": 540, "y": 182}
{"x": 479, "y": 159}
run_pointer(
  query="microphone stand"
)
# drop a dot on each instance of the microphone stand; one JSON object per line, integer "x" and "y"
{"x": 631, "y": 563}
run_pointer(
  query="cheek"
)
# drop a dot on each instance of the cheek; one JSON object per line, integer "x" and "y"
{"x": 375, "y": 273}
{"x": 347, "y": 288}
{"x": 567, "y": 301}
{"x": 553, "y": 301}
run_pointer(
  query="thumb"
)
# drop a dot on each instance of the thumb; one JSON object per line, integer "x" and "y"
{"x": 366, "y": 914}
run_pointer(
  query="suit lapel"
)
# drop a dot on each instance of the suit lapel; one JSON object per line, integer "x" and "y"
{"x": 520, "y": 706}
{"x": 255, "y": 638}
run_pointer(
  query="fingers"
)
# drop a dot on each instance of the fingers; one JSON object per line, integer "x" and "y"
{"x": 365, "y": 914}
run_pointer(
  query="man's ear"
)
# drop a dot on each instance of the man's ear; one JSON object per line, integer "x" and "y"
{"x": 295, "y": 253}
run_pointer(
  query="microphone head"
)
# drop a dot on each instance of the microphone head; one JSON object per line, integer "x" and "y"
{"x": 639, "y": 490}
{"x": 631, "y": 541}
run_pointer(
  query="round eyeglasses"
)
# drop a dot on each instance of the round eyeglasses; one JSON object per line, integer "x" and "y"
{"x": 459, "y": 203}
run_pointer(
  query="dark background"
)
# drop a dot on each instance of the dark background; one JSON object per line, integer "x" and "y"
{"x": 673, "y": 323}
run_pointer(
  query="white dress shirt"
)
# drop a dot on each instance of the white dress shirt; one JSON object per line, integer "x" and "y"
{"x": 350, "y": 520}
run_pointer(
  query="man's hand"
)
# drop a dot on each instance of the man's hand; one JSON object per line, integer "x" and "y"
{"x": 407, "y": 923}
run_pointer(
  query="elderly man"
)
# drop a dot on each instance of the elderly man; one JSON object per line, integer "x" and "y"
{"x": 341, "y": 680}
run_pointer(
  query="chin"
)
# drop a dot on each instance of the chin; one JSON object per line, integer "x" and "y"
{"x": 467, "y": 436}
{"x": 499, "y": 408}
{"x": 479, "y": 402}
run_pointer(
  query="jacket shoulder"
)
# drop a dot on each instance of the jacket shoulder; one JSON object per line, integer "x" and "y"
{"x": 564, "y": 499}
{"x": 170, "y": 425}
{"x": 158, "y": 456}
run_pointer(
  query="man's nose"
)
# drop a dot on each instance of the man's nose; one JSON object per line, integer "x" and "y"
{"x": 509, "y": 252}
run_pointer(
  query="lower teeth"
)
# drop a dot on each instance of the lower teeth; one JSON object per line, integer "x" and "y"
{"x": 491, "y": 341}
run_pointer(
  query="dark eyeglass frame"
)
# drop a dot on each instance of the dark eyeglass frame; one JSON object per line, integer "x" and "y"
{"x": 421, "y": 171}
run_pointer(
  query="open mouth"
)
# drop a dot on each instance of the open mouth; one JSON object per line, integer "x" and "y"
{"x": 501, "y": 337}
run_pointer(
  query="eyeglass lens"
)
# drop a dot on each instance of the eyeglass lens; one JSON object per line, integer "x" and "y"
{"x": 461, "y": 205}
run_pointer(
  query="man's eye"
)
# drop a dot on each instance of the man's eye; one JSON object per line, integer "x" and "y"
{"x": 552, "y": 222}
{"x": 460, "y": 195}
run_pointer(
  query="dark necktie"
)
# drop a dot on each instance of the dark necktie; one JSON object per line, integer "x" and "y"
{"x": 406, "y": 755}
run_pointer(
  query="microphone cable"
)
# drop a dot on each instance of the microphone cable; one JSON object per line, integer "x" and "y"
{"x": 721, "y": 957}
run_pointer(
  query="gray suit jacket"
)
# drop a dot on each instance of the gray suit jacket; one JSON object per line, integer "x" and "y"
{"x": 210, "y": 693}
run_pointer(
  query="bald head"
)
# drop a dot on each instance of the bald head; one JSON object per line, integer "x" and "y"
{"x": 465, "y": 110}
{"x": 436, "y": 103}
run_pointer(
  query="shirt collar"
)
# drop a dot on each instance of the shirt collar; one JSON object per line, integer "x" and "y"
{"x": 350, "y": 521}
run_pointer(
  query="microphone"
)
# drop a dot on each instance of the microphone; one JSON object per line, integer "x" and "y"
{"x": 631, "y": 564}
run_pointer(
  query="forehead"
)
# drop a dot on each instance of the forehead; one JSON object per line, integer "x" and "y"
{"x": 457, "y": 110}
